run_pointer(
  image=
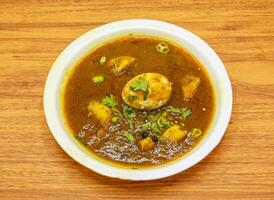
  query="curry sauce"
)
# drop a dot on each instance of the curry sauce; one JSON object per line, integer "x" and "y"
{"x": 105, "y": 93}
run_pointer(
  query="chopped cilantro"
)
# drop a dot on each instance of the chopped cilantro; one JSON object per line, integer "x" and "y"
{"x": 140, "y": 84}
{"x": 157, "y": 138}
{"x": 155, "y": 127}
{"x": 160, "y": 138}
{"x": 185, "y": 112}
{"x": 145, "y": 127}
{"x": 129, "y": 136}
{"x": 109, "y": 101}
{"x": 129, "y": 112}
{"x": 152, "y": 117}
{"x": 163, "y": 123}
{"x": 131, "y": 124}
{"x": 157, "y": 124}
{"x": 132, "y": 98}
{"x": 145, "y": 95}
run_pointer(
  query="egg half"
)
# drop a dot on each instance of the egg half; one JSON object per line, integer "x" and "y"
{"x": 147, "y": 91}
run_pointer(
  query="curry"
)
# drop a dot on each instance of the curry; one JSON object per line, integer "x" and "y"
{"x": 139, "y": 101}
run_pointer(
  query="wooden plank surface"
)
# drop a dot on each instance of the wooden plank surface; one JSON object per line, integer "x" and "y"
{"x": 33, "y": 33}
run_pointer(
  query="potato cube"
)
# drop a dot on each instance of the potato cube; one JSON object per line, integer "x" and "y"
{"x": 190, "y": 86}
{"x": 174, "y": 133}
{"x": 120, "y": 63}
{"x": 146, "y": 144}
{"x": 101, "y": 112}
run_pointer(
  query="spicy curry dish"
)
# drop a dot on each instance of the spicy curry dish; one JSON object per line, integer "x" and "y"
{"x": 138, "y": 101}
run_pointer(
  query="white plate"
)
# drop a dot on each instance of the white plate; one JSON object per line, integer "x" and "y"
{"x": 100, "y": 35}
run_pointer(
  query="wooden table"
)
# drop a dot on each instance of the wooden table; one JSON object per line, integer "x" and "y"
{"x": 33, "y": 33}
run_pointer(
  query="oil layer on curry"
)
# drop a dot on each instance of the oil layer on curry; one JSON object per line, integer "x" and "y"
{"x": 138, "y": 101}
